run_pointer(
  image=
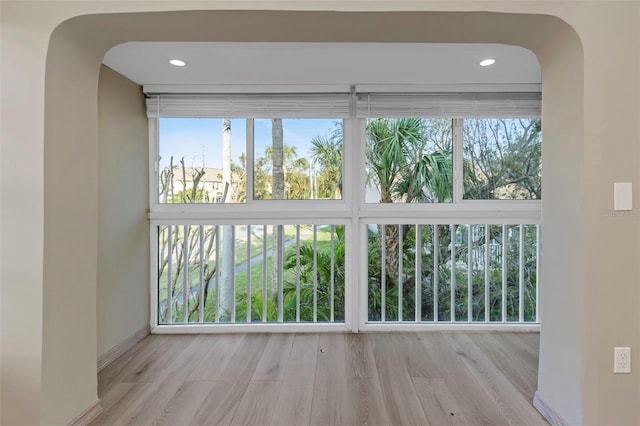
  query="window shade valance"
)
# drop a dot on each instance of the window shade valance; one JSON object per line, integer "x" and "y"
{"x": 325, "y": 105}
{"x": 337, "y": 105}
{"x": 449, "y": 105}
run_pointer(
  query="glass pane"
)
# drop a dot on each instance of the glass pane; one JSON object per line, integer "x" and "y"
{"x": 502, "y": 159}
{"x": 298, "y": 159}
{"x": 427, "y": 275}
{"x": 513, "y": 272}
{"x": 495, "y": 273}
{"x": 193, "y": 164}
{"x": 479, "y": 263}
{"x": 409, "y": 160}
{"x": 232, "y": 270}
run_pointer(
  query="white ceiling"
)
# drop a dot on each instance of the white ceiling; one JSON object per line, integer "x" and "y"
{"x": 146, "y": 63}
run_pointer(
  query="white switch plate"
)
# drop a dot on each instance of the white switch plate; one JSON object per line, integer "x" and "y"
{"x": 622, "y": 196}
{"x": 622, "y": 360}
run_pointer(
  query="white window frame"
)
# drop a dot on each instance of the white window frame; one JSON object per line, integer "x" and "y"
{"x": 351, "y": 210}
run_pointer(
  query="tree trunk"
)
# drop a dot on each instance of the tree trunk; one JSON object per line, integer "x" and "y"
{"x": 392, "y": 242}
{"x": 227, "y": 256}
{"x": 277, "y": 193}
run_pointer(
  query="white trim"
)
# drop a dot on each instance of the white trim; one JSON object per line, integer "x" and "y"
{"x": 458, "y": 87}
{"x": 153, "y": 162}
{"x": 450, "y": 216}
{"x": 362, "y": 306}
{"x": 449, "y": 326}
{"x": 88, "y": 415}
{"x": 153, "y": 89}
{"x": 352, "y": 210}
{"x": 548, "y": 412}
{"x": 118, "y": 350}
{"x": 256, "y": 327}
{"x": 153, "y": 273}
{"x": 241, "y": 221}
{"x": 275, "y": 207}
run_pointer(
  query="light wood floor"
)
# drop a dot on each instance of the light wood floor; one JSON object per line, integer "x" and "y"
{"x": 432, "y": 378}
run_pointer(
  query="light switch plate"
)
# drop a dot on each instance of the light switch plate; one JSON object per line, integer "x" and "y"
{"x": 622, "y": 196}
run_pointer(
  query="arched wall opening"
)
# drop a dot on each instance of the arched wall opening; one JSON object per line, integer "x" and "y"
{"x": 71, "y": 155}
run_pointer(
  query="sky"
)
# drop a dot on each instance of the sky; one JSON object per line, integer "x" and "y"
{"x": 199, "y": 140}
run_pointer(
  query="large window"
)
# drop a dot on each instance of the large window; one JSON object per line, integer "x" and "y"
{"x": 297, "y": 159}
{"x": 502, "y": 159}
{"x": 345, "y": 210}
{"x": 200, "y": 160}
{"x": 409, "y": 160}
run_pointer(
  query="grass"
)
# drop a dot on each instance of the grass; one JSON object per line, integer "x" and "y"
{"x": 257, "y": 282}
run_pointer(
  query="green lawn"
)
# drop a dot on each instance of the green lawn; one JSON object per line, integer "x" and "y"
{"x": 257, "y": 281}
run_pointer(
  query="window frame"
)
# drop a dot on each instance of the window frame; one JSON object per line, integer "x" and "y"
{"x": 351, "y": 210}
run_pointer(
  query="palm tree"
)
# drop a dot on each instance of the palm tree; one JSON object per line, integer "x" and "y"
{"x": 327, "y": 152}
{"x": 277, "y": 193}
{"x": 225, "y": 287}
{"x": 403, "y": 171}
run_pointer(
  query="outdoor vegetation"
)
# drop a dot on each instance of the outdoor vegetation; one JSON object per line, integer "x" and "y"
{"x": 245, "y": 272}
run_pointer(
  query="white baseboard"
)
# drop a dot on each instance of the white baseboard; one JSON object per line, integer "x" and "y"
{"x": 552, "y": 416}
{"x": 122, "y": 347}
{"x": 88, "y": 415}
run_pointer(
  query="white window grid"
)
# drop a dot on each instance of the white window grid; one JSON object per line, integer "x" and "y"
{"x": 351, "y": 210}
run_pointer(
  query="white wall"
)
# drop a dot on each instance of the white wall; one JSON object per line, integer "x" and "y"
{"x": 597, "y": 273}
{"x": 123, "y": 229}
{"x": 562, "y": 239}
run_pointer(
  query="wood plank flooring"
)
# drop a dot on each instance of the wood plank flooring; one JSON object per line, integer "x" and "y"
{"x": 431, "y": 378}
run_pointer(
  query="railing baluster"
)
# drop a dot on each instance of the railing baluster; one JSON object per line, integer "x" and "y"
{"x": 315, "y": 273}
{"x": 280, "y": 273}
{"x": 436, "y": 250}
{"x": 417, "y": 290}
{"x": 233, "y": 274}
{"x": 469, "y": 274}
{"x": 201, "y": 275}
{"x": 185, "y": 290}
{"x": 297, "y": 273}
{"x": 452, "y": 302}
{"x": 383, "y": 274}
{"x": 264, "y": 273}
{"x": 400, "y": 286}
{"x": 217, "y": 318}
{"x": 504, "y": 273}
{"x": 487, "y": 262}
{"x": 248, "y": 273}
{"x": 178, "y": 248}
{"x": 521, "y": 274}
{"x": 332, "y": 290}
{"x": 170, "y": 276}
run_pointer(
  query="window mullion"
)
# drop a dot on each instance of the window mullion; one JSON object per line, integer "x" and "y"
{"x": 249, "y": 166}
{"x": 154, "y": 143}
{"x": 458, "y": 182}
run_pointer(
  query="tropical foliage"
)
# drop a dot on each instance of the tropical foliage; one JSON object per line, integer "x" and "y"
{"x": 433, "y": 271}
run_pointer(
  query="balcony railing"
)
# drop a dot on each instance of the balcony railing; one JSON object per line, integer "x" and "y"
{"x": 452, "y": 273}
{"x": 210, "y": 274}
{"x": 295, "y": 274}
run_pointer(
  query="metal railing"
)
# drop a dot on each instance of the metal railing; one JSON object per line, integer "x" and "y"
{"x": 210, "y": 274}
{"x": 452, "y": 273}
{"x": 295, "y": 274}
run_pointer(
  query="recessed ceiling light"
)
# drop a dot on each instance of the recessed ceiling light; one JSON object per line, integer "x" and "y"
{"x": 177, "y": 62}
{"x": 487, "y": 62}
